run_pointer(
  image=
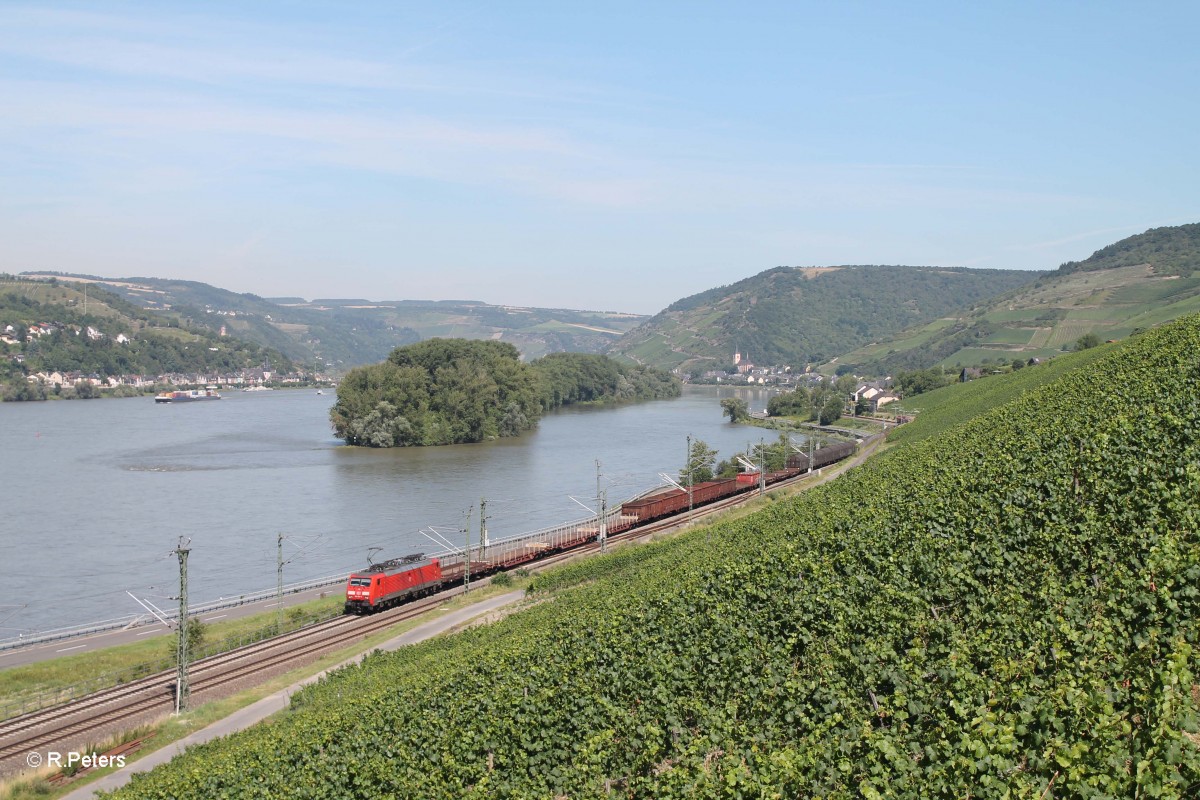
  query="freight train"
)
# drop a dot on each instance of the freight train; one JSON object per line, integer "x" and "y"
{"x": 393, "y": 582}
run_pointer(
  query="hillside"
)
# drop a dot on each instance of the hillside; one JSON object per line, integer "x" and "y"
{"x": 797, "y": 316}
{"x": 1137, "y": 283}
{"x": 60, "y": 326}
{"x": 1004, "y": 609}
{"x": 343, "y": 333}
{"x": 1170, "y": 251}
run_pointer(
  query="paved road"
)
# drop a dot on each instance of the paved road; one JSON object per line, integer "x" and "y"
{"x": 252, "y": 714}
{"x": 98, "y": 641}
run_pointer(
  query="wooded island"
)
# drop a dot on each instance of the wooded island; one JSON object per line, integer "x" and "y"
{"x": 455, "y": 391}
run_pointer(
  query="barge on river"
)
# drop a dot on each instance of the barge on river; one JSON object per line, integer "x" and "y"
{"x": 208, "y": 393}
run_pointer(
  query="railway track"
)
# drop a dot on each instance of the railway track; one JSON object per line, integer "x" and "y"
{"x": 98, "y": 715}
{"x": 91, "y": 718}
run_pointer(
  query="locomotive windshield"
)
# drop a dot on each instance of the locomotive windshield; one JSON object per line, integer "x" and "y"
{"x": 360, "y": 581}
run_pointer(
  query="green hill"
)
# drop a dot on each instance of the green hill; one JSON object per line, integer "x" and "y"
{"x": 343, "y": 333}
{"x": 60, "y": 326}
{"x": 1137, "y": 283}
{"x": 1170, "y": 251}
{"x": 797, "y": 316}
{"x": 1003, "y": 609}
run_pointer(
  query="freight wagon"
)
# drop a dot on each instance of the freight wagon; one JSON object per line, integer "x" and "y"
{"x": 666, "y": 502}
{"x": 399, "y": 580}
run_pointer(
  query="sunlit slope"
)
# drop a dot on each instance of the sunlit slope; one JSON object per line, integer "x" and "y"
{"x": 1005, "y": 609}
{"x": 342, "y": 333}
{"x": 1137, "y": 283}
{"x": 88, "y": 330}
{"x": 941, "y": 409}
{"x": 795, "y": 316}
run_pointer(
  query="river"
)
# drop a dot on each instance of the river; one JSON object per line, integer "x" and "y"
{"x": 97, "y": 493}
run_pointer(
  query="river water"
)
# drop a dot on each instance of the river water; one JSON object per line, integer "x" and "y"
{"x": 97, "y": 493}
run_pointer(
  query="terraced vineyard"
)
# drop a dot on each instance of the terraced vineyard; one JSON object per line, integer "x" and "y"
{"x": 1040, "y": 320}
{"x": 1004, "y": 609}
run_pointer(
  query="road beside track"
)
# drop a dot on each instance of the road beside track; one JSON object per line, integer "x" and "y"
{"x": 278, "y": 701}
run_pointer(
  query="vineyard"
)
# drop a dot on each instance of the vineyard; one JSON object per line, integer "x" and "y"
{"x": 943, "y": 408}
{"x": 1005, "y": 609}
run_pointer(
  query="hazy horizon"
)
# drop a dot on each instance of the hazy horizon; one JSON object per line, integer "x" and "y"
{"x": 611, "y": 158}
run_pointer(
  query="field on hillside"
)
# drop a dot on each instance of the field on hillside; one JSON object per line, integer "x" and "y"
{"x": 1039, "y": 321}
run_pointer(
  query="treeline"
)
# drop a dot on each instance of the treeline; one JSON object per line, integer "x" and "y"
{"x": 455, "y": 391}
{"x": 702, "y": 464}
{"x": 147, "y": 354}
{"x": 566, "y": 378}
{"x": 1170, "y": 250}
{"x": 783, "y": 316}
{"x": 823, "y": 403}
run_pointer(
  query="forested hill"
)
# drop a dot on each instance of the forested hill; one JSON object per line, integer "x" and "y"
{"x": 1169, "y": 251}
{"x": 337, "y": 334}
{"x": 58, "y": 326}
{"x": 455, "y": 391}
{"x": 1136, "y": 283}
{"x": 796, "y": 316}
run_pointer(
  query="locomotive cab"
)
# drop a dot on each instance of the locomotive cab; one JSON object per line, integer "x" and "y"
{"x": 358, "y": 594}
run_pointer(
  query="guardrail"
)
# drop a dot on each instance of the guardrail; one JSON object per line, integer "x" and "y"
{"x": 136, "y": 620}
{"x": 28, "y": 703}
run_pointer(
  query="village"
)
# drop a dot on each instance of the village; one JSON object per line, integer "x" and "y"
{"x": 870, "y": 395}
{"x": 55, "y": 381}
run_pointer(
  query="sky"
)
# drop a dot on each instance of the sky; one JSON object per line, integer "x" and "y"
{"x": 609, "y": 156}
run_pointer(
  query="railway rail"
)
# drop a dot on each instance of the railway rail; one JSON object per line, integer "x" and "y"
{"x": 98, "y": 715}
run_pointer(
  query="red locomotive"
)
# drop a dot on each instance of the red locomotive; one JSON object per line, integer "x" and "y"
{"x": 384, "y": 585}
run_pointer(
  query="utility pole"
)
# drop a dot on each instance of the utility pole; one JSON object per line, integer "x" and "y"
{"x": 483, "y": 518}
{"x": 603, "y": 528}
{"x": 181, "y": 655}
{"x": 691, "y": 480}
{"x": 762, "y": 466}
{"x": 601, "y": 502}
{"x": 467, "y": 552}
{"x": 279, "y": 584}
{"x": 601, "y": 518}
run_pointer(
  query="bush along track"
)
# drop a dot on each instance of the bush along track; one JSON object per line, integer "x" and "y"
{"x": 1004, "y": 610}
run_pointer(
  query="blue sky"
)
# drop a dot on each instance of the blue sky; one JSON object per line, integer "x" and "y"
{"x": 613, "y": 156}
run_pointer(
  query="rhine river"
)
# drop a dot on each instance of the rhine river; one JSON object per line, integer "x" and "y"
{"x": 97, "y": 493}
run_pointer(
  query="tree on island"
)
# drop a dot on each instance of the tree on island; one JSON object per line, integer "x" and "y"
{"x": 441, "y": 391}
{"x": 735, "y": 408}
{"x": 455, "y": 391}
